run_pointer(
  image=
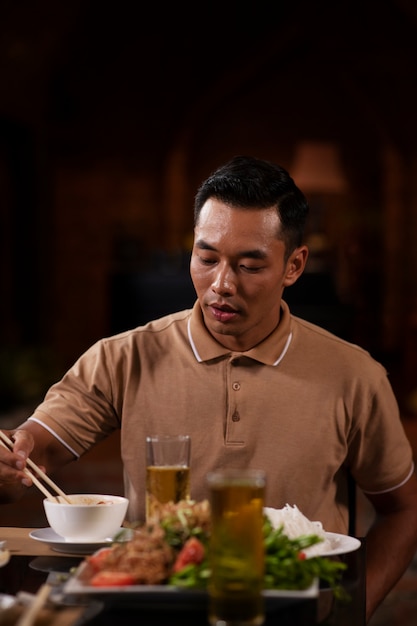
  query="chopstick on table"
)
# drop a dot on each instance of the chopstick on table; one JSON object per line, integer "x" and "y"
{"x": 28, "y": 618}
{"x": 8, "y": 443}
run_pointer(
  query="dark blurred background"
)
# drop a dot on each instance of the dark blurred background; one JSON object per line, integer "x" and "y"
{"x": 111, "y": 114}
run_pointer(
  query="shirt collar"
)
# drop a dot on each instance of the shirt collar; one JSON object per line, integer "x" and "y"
{"x": 270, "y": 351}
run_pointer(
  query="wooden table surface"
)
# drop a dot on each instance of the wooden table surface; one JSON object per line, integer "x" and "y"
{"x": 19, "y": 542}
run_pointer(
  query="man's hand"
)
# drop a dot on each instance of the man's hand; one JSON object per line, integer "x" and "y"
{"x": 13, "y": 479}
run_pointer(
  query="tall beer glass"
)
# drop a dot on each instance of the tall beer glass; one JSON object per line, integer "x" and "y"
{"x": 167, "y": 470}
{"x": 236, "y": 547}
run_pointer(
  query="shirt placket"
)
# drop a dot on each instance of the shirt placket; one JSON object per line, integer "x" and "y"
{"x": 234, "y": 434}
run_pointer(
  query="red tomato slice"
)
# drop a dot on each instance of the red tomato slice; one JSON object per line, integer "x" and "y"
{"x": 192, "y": 552}
{"x": 107, "y": 578}
{"x": 97, "y": 559}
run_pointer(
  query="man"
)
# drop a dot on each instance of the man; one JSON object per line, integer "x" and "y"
{"x": 252, "y": 385}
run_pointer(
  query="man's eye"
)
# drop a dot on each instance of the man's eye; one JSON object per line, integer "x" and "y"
{"x": 206, "y": 261}
{"x": 250, "y": 268}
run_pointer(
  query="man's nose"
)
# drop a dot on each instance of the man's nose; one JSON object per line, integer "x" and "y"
{"x": 224, "y": 282}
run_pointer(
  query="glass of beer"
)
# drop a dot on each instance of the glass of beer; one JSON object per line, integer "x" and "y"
{"x": 236, "y": 547}
{"x": 167, "y": 470}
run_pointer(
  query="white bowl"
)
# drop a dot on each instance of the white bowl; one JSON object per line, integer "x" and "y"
{"x": 89, "y": 518}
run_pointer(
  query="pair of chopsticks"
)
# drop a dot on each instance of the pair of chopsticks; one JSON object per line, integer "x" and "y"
{"x": 8, "y": 443}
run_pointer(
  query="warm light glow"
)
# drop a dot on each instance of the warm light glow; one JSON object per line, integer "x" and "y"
{"x": 317, "y": 168}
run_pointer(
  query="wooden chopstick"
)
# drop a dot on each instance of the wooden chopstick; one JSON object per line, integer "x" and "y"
{"x": 37, "y": 482}
{"x": 8, "y": 443}
{"x": 29, "y": 616}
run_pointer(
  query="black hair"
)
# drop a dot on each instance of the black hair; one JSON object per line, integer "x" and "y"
{"x": 251, "y": 183}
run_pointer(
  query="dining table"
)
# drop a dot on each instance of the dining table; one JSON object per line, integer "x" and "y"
{"x": 34, "y": 563}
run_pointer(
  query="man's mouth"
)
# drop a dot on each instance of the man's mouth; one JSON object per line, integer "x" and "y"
{"x": 223, "y": 312}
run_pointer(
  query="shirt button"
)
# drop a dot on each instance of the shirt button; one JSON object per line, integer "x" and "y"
{"x": 236, "y": 386}
{"x": 235, "y": 417}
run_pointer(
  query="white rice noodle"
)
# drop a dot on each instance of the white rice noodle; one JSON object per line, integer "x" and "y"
{"x": 296, "y": 524}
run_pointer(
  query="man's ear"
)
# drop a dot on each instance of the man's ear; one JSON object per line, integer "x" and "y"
{"x": 295, "y": 265}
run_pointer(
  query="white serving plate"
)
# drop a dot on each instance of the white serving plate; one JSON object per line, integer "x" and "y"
{"x": 341, "y": 544}
{"x": 167, "y": 595}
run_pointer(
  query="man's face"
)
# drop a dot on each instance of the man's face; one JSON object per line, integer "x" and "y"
{"x": 239, "y": 272}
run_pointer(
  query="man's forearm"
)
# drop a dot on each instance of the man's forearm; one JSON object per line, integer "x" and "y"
{"x": 390, "y": 546}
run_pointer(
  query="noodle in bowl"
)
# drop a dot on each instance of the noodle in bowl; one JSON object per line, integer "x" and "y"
{"x": 295, "y": 524}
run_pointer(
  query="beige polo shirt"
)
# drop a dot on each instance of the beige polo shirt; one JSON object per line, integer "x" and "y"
{"x": 302, "y": 405}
